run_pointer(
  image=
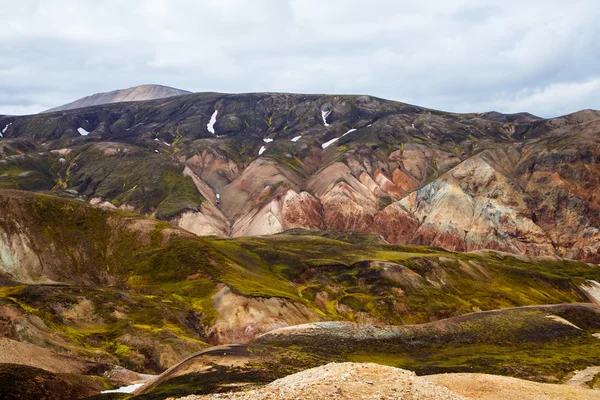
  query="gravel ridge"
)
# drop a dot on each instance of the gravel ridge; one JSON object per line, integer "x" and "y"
{"x": 345, "y": 381}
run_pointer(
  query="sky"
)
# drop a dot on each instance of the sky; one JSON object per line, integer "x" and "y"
{"x": 454, "y": 55}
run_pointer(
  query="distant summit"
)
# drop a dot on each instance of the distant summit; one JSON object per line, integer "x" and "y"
{"x": 137, "y": 93}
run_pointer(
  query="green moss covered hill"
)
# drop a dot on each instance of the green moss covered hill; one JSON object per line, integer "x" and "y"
{"x": 113, "y": 287}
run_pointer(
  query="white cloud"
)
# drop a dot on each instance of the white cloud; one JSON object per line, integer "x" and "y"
{"x": 458, "y": 55}
{"x": 555, "y": 99}
{"x": 16, "y": 109}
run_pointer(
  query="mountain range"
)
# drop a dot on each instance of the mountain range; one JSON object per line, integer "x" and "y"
{"x": 463, "y": 182}
{"x": 222, "y": 241}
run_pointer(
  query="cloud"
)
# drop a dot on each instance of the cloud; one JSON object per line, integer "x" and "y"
{"x": 460, "y": 55}
{"x": 560, "y": 98}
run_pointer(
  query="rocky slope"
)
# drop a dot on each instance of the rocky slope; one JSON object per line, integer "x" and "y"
{"x": 137, "y": 93}
{"x": 257, "y": 164}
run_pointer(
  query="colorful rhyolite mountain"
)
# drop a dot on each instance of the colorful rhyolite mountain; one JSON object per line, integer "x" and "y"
{"x": 463, "y": 182}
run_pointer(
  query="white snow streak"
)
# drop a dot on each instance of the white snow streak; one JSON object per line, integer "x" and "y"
{"x": 82, "y": 132}
{"x": 327, "y": 144}
{"x": 296, "y": 138}
{"x": 124, "y": 389}
{"x": 5, "y": 129}
{"x": 211, "y": 124}
{"x": 218, "y": 196}
{"x": 267, "y": 140}
{"x": 332, "y": 141}
{"x": 324, "y": 115}
{"x": 262, "y": 150}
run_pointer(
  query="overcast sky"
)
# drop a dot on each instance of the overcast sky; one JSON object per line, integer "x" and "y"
{"x": 455, "y": 55}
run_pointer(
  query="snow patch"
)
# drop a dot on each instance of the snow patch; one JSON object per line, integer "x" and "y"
{"x": 296, "y": 138}
{"x": 5, "y": 129}
{"x": 156, "y": 151}
{"x": 350, "y": 131}
{"x": 368, "y": 126}
{"x": 413, "y": 125}
{"x": 329, "y": 143}
{"x": 125, "y": 389}
{"x": 156, "y": 139}
{"x": 262, "y": 150}
{"x": 218, "y": 196}
{"x": 82, "y": 132}
{"x": 324, "y": 115}
{"x": 211, "y": 124}
{"x": 267, "y": 140}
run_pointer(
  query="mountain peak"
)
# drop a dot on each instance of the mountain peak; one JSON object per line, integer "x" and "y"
{"x": 136, "y": 93}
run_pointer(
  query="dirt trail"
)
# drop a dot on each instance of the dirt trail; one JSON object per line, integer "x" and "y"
{"x": 583, "y": 377}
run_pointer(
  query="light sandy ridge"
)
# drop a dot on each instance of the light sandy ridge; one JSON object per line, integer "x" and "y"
{"x": 493, "y": 387}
